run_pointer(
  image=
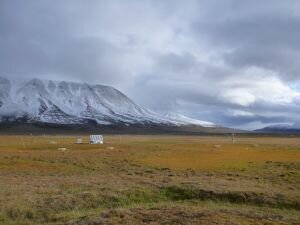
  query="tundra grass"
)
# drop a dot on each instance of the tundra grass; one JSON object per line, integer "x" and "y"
{"x": 149, "y": 179}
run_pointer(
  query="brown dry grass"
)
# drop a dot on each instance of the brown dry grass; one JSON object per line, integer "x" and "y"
{"x": 149, "y": 180}
{"x": 209, "y": 157}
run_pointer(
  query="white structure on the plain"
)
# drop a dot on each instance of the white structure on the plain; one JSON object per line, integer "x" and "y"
{"x": 96, "y": 139}
{"x": 79, "y": 141}
{"x": 62, "y": 149}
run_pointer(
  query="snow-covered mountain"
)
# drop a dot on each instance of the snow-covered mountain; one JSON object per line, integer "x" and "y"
{"x": 59, "y": 102}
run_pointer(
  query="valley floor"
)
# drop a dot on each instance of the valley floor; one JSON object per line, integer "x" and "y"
{"x": 149, "y": 180}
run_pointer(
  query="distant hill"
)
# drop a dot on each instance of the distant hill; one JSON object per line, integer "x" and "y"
{"x": 280, "y": 128}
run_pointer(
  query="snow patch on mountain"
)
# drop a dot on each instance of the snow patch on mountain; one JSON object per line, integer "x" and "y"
{"x": 184, "y": 120}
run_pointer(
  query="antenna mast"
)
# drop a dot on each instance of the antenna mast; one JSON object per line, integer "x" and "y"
{"x": 233, "y": 138}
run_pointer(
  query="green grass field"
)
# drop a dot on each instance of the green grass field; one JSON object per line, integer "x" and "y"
{"x": 149, "y": 180}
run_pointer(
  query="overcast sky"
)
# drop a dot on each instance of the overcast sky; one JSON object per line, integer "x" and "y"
{"x": 232, "y": 62}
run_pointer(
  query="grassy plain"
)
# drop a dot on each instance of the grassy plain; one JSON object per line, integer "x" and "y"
{"x": 149, "y": 180}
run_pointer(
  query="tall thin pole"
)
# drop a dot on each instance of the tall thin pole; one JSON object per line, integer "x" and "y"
{"x": 233, "y": 138}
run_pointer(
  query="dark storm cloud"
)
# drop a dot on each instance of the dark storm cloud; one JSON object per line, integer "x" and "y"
{"x": 256, "y": 33}
{"x": 43, "y": 39}
{"x": 231, "y": 62}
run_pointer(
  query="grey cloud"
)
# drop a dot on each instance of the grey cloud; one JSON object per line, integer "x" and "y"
{"x": 41, "y": 40}
{"x": 263, "y": 34}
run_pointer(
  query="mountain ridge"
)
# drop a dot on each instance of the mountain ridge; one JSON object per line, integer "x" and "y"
{"x": 70, "y": 103}
{"x": 280, "y": 128}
